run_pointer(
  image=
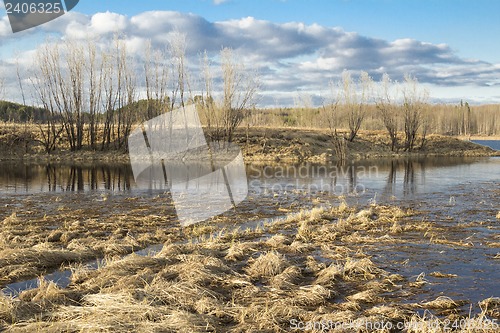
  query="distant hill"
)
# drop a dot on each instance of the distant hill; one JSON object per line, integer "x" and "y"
{"x": 14, "y": 112}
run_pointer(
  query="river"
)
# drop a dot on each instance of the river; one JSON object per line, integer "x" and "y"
{"x": 461, "y": 194}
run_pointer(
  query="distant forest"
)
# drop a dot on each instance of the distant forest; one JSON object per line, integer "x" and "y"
{"x": 17, "y": 113}
{"x": 445, "y": 119}
{"x": 13, "y": 112}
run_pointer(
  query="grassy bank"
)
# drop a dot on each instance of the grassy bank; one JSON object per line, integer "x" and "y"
{"x": 313, "y": 266}
{"x": 316, "y": 145}
{"x": 257, "y": 143}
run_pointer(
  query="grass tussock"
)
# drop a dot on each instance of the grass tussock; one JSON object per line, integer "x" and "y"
{"x": 429, "y": 323}
{"x": 288, "y": 279}
{"x": 267, "y": 265}
{"x": 442, "y": 275}
{"x": 491, "y": 306}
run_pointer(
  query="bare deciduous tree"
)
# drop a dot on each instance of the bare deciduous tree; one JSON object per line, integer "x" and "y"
{"x": 178, "y": 78}
{"x": 126, "y": 83}
{"x": 156, "y": 73}
{"x": 239, "y": 87}
{"x": 414, "y": 101}
{"x": 356, "y": 96}
{"x": 45, "y": 89}
{"x": 109, "y": 98}
{"x": 94, "y": 68}
{"x": 387, "y": 107}
{"x": 331, "y": 113}
{"x": 62, "y": 75}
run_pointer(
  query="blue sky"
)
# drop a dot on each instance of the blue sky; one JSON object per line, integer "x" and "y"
{"x": 471, "y": 27}
{"x": 299, "y": 46}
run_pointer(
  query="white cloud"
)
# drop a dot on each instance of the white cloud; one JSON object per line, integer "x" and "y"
{"x": 219, "y": 2}
{"x": 103, "y": 23}
{"x": 5, "y": 28}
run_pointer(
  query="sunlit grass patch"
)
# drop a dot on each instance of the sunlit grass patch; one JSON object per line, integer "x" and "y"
{"x": 267, "y": 265}
{"x": 442, "y": 275}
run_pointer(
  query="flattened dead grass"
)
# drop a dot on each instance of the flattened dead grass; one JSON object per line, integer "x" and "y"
{"x": 301, "y": 267}
{"x": 267, "y": 265}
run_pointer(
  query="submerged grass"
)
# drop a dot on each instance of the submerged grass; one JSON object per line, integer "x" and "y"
{"x": 311, "y": 266}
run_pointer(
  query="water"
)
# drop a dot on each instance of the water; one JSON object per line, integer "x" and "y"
{"x": 495, "y": 144}
{"x": 16, "y": 177}
{"x": 451, "y": 191}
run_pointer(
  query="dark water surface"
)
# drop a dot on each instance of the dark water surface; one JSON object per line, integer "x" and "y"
{"x": 461, "y": 194}
{"x": 495, "y": 144}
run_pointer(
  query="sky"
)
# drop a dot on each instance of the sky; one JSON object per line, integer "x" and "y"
{"x": 298, "y": 46}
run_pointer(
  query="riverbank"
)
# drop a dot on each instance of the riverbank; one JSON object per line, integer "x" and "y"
{"x": 260, "y": 144}
{"x": 298, "y": 144}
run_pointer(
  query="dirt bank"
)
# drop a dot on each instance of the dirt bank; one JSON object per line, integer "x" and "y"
{"x": 258, "y": 144}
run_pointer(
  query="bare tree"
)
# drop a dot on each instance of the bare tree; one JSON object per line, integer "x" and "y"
{"x": 331, "y": 113}
{"x": 94, "y": 68}
{"x": 356, "y": 95}
{"x": 239, "y": 87}
{"x": 206, "y": 103}
{"x": 110, "y": 96}
{"x": 45, "y": 89}
{"x": 156, "y": 73}
{"x": 414, "y": 101}
{"x": 63, "y": 76}
{"x": 387, "y": 107}
{"x": 126, "y": 96}
{"x": 178, "y": 66}
{"x": 466, "y": 119}
{"x": 24, "y": 115}
{"x": 72, "y": 90}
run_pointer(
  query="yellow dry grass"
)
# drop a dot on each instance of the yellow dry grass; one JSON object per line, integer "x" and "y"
{"x": 267, "y": 265}
{"x": 300, "y": 268}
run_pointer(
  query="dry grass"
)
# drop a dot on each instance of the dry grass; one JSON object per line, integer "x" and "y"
{"x": 330, "y": 274}
{"x": 442, "y": 302}
{"x": 288, "y": 279}
{"x": 491, "y": 306}
{"x": 428, "y": 323}
{"x": 45, "y": 234}
{"x": 267, "y": 265}
{"x": 242, "y": 281}
{"x": 442, "y": 275}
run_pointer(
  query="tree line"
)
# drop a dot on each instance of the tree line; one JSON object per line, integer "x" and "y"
{"x": 91, "y": 95}
{"x": 401, "y": 109}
